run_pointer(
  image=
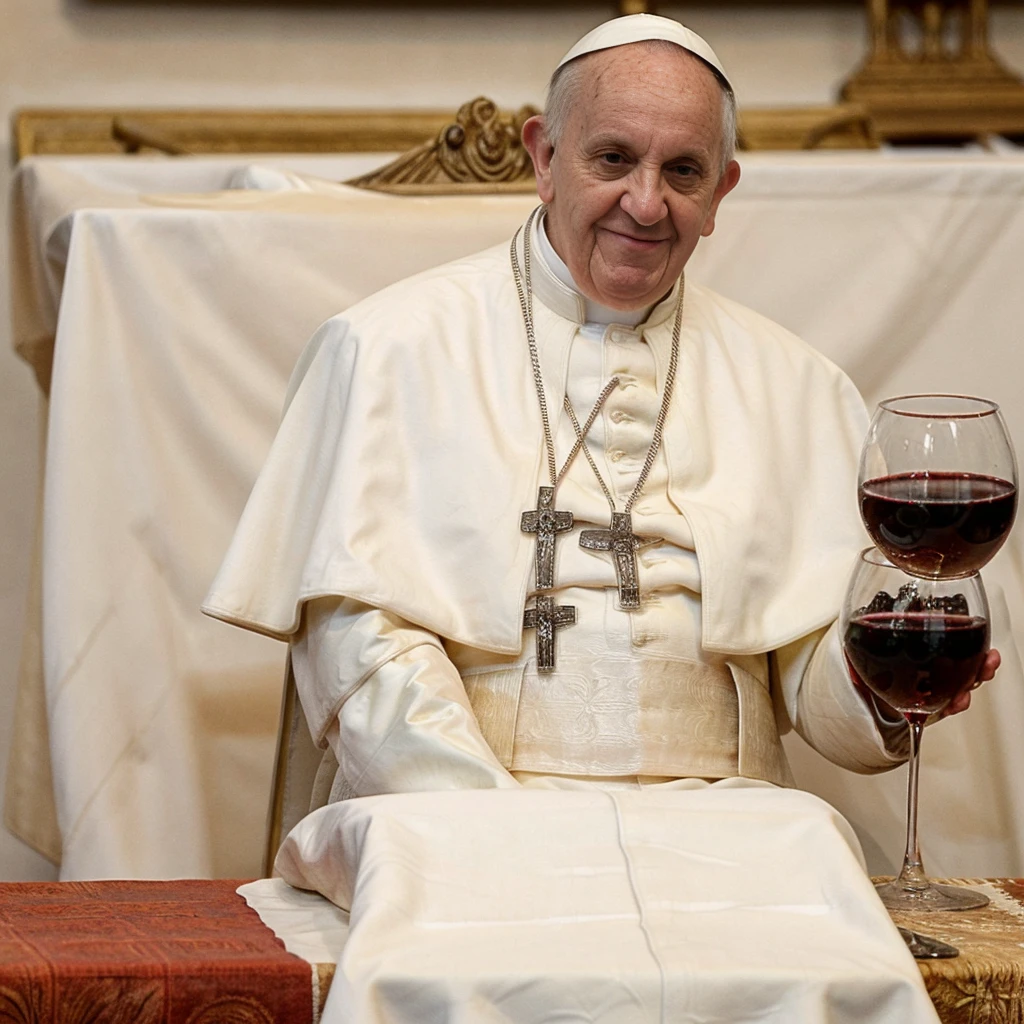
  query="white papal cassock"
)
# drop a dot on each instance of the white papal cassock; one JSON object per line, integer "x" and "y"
{"x": 383, "y": 539}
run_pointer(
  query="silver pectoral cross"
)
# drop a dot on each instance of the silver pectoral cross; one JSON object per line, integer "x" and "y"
{"x": 547, "y": 522}
{"x": 620, "y": 540}
{"x": 545, "y": 617}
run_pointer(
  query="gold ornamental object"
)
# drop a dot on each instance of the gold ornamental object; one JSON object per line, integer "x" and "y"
{"x": 930, "y": 73}
{"x": 481, "y": 150}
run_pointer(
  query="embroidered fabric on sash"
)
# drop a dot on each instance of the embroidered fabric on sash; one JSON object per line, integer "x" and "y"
{"x": 646, "y": 716}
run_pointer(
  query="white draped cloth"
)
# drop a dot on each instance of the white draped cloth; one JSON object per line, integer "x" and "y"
{"x": 736, "y": 903}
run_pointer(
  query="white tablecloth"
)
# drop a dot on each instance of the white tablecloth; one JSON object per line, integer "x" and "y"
{"x": 46, "y": 190}
{"x": 736, "y": 902}
{"x": 179, "y": 320}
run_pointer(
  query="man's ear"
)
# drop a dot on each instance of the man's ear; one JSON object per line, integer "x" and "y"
{"x": 535, "y": 139}
{"x": 729, "y": 180}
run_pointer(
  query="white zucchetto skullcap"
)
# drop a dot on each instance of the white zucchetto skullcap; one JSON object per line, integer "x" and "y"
{"x": 637, "y": 28}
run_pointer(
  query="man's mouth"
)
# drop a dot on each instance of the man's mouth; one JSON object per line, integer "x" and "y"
{"x": 634, "y": 241}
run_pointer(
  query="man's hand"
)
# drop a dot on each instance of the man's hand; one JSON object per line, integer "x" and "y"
{"x": 963, "y": 700}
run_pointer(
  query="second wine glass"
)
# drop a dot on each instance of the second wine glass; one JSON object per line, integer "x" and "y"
{"x": 938, "y": 483}
{"x": 916, "y": 644}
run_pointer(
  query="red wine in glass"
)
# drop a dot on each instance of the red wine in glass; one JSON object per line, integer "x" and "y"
{"x": 917, "y": 662}
{"x": 938, "y": 483}
{"x": 938, "y": 523}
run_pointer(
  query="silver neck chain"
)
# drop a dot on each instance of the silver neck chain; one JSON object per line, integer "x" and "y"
{"x": 524, "y": 287}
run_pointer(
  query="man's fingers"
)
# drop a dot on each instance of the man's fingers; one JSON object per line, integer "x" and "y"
{"x": 990, "y": 666}
{"x": 961, "y": 702}
{"x": 988, "y": 669}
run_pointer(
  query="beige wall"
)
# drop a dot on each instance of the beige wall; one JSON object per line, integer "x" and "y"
{"x": 67, "y": 52}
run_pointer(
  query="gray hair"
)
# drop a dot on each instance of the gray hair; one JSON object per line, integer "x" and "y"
{"x": 564, "y": 87}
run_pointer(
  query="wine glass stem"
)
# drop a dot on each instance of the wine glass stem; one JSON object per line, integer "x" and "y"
{"x": 912, "y": 876}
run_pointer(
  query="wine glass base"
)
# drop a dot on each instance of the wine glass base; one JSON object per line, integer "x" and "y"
{"x": 934, "y": 897}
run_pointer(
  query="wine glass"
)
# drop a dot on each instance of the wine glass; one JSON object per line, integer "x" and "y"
{"x": 916, "y": 644}
{"x": 938, "y": 483}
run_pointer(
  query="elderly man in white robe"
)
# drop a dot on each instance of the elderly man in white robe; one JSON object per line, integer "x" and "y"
{"x": 556, "y": 516}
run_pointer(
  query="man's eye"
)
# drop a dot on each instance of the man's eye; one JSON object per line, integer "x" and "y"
{"x": 683, "y": 170}
{"x": 614, "y": 159}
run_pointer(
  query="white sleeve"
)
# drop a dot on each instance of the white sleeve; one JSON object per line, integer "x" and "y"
{"x": 821, "y": 702}
{"x": 383, "y": 694}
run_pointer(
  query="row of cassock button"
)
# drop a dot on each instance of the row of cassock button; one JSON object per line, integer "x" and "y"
{"x": 634, "y": 408}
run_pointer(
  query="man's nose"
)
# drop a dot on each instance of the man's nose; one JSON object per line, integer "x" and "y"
{"x": 644, "y": 198}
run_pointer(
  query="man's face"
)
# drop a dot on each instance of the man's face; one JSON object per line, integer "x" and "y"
{"x": 635, "y": 180}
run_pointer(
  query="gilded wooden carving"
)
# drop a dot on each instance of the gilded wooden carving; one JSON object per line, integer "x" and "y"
{"x": 840, "y": 126}
{"x": 481, "y": 155}
{"x": 482, "y": 146}
{"x": 69, "y": 131}
{"x": 930, "y": 72}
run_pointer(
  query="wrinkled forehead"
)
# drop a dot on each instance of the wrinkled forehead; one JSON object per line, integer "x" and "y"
{"x": 653, "y": 77}
{"x": 648, "y": 59}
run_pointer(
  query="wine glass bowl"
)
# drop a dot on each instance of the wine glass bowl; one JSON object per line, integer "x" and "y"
{"x": 938, "y": 483}
{"x": 915, "y": 644}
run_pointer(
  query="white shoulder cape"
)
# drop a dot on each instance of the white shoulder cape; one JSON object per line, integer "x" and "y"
{"x": 413, "y": 443}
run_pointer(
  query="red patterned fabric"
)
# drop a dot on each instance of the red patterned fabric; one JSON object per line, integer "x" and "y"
{"x": 183, "y": 952}
{"x": 1013, "y": 887}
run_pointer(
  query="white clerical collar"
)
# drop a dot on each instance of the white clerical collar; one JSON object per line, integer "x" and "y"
{"x": 593, "y": 312}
